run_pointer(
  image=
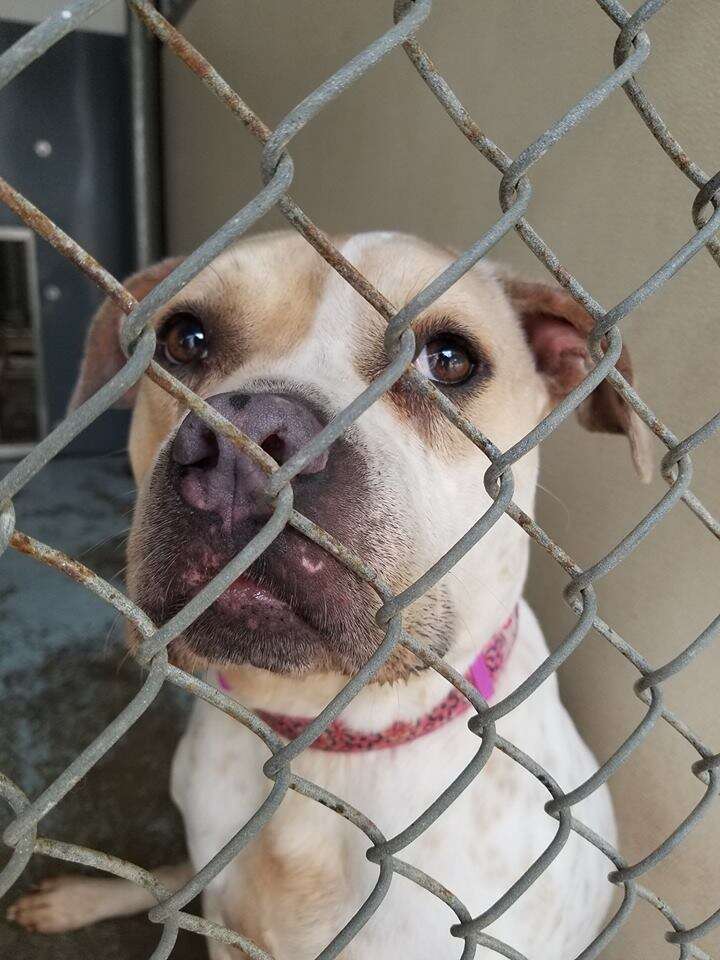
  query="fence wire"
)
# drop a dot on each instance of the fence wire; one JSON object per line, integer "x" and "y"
{"x": 632, "y": 49}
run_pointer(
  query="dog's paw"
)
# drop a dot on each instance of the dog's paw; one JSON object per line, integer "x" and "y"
{"x": 59, "y": 904}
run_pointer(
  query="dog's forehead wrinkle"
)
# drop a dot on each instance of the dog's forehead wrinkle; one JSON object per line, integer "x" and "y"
{"x": 401, "y": 266}
{"x": 325, "y": 347}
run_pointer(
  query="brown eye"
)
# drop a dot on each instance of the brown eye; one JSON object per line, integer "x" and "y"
{"x": 182, "y": 339}
{"x": 446, "y": 359}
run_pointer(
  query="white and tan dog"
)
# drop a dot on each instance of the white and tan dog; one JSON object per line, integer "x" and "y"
{"x": 279, "y": 343}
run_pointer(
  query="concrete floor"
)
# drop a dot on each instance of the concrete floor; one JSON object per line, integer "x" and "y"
{"x": 64, "y": 675}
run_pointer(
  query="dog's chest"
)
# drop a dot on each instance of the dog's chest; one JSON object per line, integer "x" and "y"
{"x": 305, "y": 875}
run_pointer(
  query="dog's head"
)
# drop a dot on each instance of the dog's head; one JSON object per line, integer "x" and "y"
{"x": 278, "y": 343}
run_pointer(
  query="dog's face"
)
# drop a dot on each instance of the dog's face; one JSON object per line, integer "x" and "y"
{"x": 279, "y": 344}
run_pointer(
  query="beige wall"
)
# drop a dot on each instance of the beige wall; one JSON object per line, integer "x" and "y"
{"x": 614, "y": 208}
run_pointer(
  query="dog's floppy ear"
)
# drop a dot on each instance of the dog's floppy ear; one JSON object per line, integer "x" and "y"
{"x": 557, "y": 328}
{"x": 103, "y": 355}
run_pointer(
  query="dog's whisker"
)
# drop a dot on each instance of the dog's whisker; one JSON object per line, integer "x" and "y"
{"x": 100, "y": 543}
{"x": 557, "y": 499}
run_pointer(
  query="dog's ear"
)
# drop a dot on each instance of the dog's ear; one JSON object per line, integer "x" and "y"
{"x": 103, "y": 355}
{"x": 557, "y": 328}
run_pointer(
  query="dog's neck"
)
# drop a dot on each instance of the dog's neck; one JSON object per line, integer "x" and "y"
{"x": 485, "y": 589}
{"x": 483, "y": 673}
{"x": 378, "y": 706}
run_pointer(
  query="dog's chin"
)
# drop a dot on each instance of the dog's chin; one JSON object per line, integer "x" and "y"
{"x": 249, "y": 625}
{"x": 215, "y": 641}
{"x": 253, "y": 624}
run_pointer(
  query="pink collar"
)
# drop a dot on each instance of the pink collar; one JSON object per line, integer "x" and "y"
{"x": 339, "y": 738}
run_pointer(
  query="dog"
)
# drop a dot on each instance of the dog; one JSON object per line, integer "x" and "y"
{"x": 279, "y": 343}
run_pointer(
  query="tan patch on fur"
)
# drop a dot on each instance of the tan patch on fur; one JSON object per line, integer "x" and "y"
{"x": 276, "y": 281}
{"x": 103, "y": 355}
{"x": 156, "y": 413}
{"x": 400, "y": 665}
{"x": 257, "y": 297}
{"x": 291, "y": 899}
{"x": 401, "y": 266}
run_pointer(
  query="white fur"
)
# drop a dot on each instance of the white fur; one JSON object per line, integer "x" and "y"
{"x": 477, "y": 849}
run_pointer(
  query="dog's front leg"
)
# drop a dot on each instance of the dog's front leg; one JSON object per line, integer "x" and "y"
{"x": 67, "y": 903}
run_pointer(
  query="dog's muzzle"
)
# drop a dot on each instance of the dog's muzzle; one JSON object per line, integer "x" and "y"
{"x": 295, "y": 607}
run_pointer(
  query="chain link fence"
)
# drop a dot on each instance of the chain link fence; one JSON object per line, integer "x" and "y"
{"x": 632, "y": 49}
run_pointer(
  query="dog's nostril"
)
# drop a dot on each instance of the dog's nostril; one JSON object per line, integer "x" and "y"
{"x": 208, "y": 462}
{"x": 196, "y": 446}
{"x": 274, "y": 446}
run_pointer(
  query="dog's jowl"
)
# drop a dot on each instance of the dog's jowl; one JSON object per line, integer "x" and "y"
{"x": 278, "y": 343}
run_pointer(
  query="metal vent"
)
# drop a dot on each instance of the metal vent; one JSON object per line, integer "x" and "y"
{"x": 22, "y": 404}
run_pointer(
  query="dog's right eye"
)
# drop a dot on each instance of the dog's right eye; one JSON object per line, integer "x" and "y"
{"x": 446, "y": 359}
{"x": 182, "y": 340}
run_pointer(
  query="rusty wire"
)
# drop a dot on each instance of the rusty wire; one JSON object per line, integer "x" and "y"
{"x": 631, "y": 50}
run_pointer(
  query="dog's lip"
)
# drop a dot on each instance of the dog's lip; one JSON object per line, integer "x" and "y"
{"x": 257, "y": 605}
{"x": 246, "y": 589}
{"x": 255, "y": 600}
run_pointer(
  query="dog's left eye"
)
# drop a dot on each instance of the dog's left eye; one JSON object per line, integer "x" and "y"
{"x": 446, "y": 359}
{"x": 182, "y": 339}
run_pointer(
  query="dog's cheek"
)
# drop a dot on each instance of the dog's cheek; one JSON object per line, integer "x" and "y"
{"x": 154, "y": 420}
{"x": 431, "y": 620}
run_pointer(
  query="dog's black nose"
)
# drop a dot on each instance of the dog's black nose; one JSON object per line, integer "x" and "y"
{"x": 215, "y": 476}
